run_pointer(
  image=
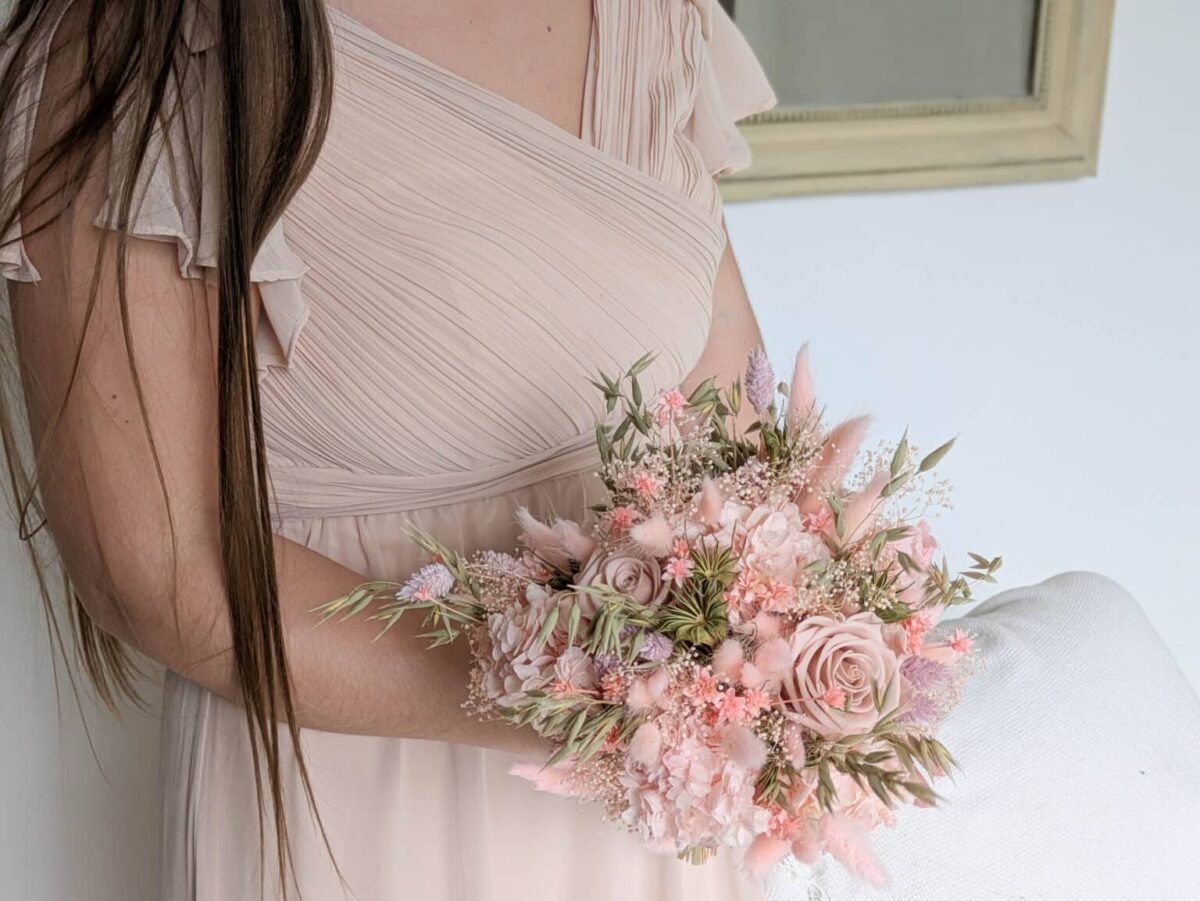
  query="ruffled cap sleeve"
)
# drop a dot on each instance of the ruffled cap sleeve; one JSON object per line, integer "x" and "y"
{"x": 176, "y": 190}
{"x": 732, "y": 87}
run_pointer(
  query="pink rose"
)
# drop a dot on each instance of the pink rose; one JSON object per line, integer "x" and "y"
{"x": 837, "y": 668}
{"x": 639, "y": 577}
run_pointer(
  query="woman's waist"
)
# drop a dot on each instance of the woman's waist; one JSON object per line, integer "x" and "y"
{"x": 316, "y": 491}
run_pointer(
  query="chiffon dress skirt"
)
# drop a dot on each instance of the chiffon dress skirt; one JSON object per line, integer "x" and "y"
{"x": 436, "y": 300}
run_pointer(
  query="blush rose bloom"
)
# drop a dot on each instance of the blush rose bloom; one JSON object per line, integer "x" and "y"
{"x": 639, "y": 577}
{"x": 846, "y": 659}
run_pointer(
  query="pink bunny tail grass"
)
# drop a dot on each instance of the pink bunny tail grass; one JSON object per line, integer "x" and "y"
{"x": 802, "y": 398}
{"x": 573, "y": 539}
{"x": 833, "y": 462}
{"x": 727, "y": 659}
{"x": 762, "y": 856}
{"x": 711, "y": 503}
{"x": 766, "y": 625}
{"x": 658, "y": 682}
{"x": 773, "y": 658}
{"x": 862, "y": 509}
{"x": 545, "y": 779}
{"x": 845, "y": 839}
{"x": 752, "y": 676}
{"x": 806, "y": 850}
{"x": 639, "y": 697}
{"x": 555, "y": 544}
{"x": 654, "y": 536}
{"x": 744, "y": 748}
{"x": 536, "y": 535}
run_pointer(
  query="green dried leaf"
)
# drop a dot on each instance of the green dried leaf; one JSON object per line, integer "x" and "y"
{"x": 877, "y": 544}
{"x": 573, "y": 624}
{"x": 576, "y": 725}
{"x": 547, "y": 626}
{"x": 640, "y": 365}
{"x": 900, "y": 455}
{"x": 933, "y": 458}
{"x": 636, "y": 645}
{"x": 895, "y": 484}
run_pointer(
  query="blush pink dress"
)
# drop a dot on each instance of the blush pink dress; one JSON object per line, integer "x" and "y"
{"x": 437, "y": 297}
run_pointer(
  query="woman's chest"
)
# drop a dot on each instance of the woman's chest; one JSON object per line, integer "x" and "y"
{"x": 470, "y": 269}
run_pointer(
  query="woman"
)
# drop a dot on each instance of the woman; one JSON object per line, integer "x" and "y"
{"x": 384, "y": 319}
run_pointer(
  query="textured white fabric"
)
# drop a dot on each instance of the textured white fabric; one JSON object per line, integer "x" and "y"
{"x": 1080, "y": 751}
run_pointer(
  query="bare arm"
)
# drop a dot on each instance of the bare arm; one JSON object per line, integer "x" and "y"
{"x": 106, "y": 506}
{"x": 734, "y": 332}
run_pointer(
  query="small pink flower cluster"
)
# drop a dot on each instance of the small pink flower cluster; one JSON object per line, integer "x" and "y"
{"x": 740, "y": 652}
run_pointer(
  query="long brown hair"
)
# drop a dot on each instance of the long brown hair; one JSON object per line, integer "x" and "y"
{"x": 275, "y": 67}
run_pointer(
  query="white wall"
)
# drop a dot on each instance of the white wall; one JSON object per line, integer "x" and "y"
{"x": 1055, "y": 327}
{"x": 1051, "y": 325}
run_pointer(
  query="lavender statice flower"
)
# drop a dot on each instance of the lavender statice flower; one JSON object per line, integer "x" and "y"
{"x": 760, "y": 381}
{"x": 922, "y": 711}
{"x": 498, "y": 561}
{"x": 656, "y": 648}
{"x": 431, "y": 581}
{"x": 924, "y": 674}
{"x": 606, "y": 663}
{"x": 934, "y": 691}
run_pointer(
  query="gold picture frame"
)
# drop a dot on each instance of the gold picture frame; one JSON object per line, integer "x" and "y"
{"x": 1053, "y": 133}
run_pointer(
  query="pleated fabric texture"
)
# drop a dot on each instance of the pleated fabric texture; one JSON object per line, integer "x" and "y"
{"x": 437, "y": 299}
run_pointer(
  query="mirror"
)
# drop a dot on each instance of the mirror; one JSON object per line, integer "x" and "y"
{"x": 920, "y": 93}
